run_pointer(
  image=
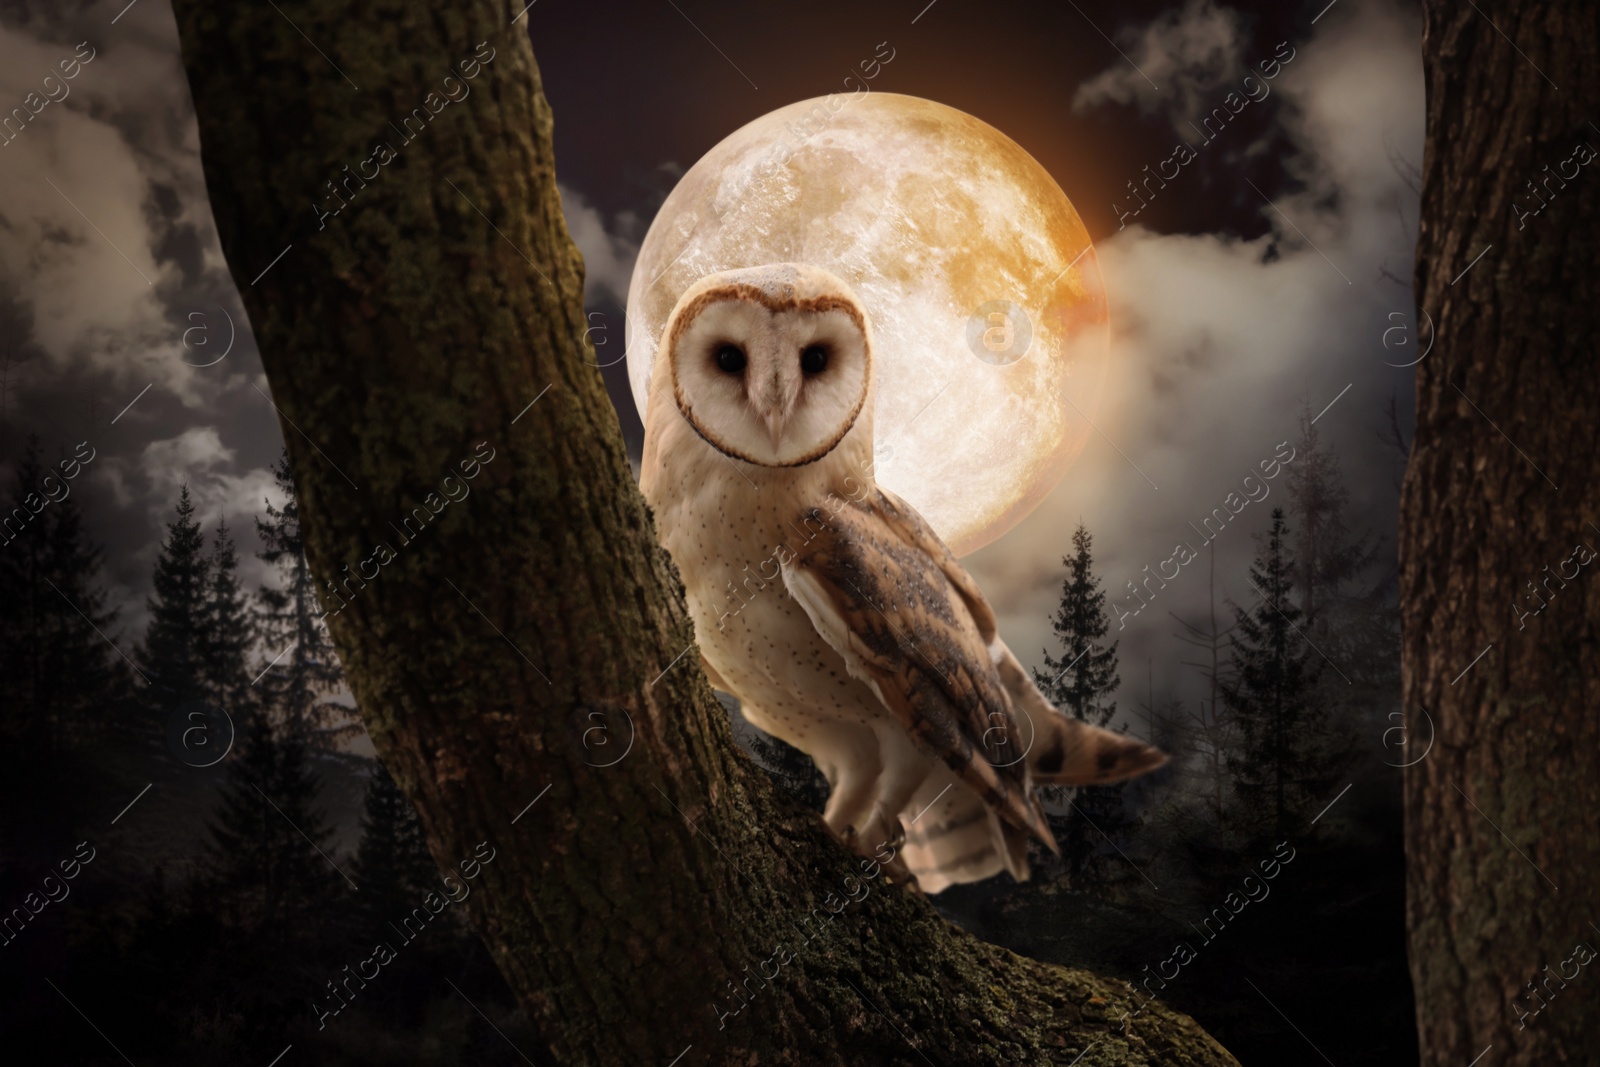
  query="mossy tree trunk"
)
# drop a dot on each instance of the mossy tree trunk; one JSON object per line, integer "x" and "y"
{"x": 1500, "y": 816}
{"x": 534, "y": 630}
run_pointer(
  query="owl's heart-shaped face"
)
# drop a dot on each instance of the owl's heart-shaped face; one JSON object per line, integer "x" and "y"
{"x": 771, "y": 366}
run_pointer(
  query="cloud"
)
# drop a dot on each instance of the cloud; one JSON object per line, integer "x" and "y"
{"x": 608, "y": 253}
{"x": 109, "y": 236}
{"x": 1219, "y": 340}
{"x": 198, "y": 458}
{"x": 1174, "y": 64}
{"x": 178, "y": 460}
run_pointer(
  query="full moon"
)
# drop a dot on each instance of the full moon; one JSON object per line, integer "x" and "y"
{"x": 985, "y": 296}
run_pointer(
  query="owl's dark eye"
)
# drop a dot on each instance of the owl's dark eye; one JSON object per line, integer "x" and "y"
{"x": 730, "y": 359}
{"x": 814, "y": 359}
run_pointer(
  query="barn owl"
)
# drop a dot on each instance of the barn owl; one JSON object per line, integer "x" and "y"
{"x": 827, "y": 605}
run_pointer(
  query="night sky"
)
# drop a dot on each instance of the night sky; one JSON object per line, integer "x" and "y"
{"x": 1263, "y": 277}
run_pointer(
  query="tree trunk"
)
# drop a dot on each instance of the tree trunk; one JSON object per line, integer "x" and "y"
{"x": 1500, "y": 816}
{"x": 533, "y": 631}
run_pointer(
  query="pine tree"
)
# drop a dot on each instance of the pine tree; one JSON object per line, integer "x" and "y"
{"x": 27, "y": 607}
{"x": 229, "y": 629}
{"x": 393, "y": 867}
{"x": 1370, "y": 646}
{"x": 1351, "y": 618}
{"x": 270, "y": 841}
{"x": 1276, "y": 771}
{"x": 271, "y": 873}
{"x": 1208, "y": 733}
{"x": 91, "y": 676}
{"x": 306, "y": 667}
{"x": 173, "y": 655}
{"x": 62, "y": 677}
{"x": 1327, "y": 553}
{"x": 1081, "y": 682}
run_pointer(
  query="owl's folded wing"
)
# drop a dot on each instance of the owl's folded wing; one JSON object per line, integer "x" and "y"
{"x": 889, "y": 597}
{"x": 1061, "y": 750}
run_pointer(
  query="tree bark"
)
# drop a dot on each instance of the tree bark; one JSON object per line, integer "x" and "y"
{"x": 1500, "y": 817}
{"x": 533, "y": 630}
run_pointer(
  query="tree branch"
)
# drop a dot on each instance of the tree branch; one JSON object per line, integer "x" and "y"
{"x": 423, "y": 320}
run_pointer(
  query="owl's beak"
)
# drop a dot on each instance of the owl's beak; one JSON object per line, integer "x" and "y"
{"x": 775, "y": 427}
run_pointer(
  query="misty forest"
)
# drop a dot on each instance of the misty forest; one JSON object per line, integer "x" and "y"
{"x": 289, "y": 861}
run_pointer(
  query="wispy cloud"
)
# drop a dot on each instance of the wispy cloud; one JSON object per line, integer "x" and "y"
{"x": 1187, "y": 52}
{"x": 1218, "y": 339}
{"x": 608, "y": 250}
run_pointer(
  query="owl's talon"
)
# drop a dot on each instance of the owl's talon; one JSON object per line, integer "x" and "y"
{"x": 895, "y": 870}
{"x": 898, "y": 873}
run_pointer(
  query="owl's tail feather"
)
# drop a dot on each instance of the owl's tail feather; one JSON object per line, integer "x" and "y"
{"x": 1064, "y": 750}
{"x": 952, "y": 836}
{"x": 1070, "y": 752}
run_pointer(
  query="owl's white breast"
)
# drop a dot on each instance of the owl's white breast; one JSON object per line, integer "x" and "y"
{"x": 727, "y": 525}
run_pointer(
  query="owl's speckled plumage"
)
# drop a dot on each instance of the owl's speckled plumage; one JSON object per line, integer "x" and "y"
{"x": 827, "y": 606}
